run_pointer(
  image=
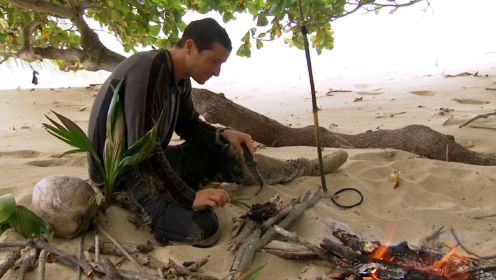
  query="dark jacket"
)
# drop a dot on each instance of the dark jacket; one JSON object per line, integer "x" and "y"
{"x": 150, "y": 91}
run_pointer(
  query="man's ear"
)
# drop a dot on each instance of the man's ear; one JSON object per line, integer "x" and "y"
{"x": 190, "y": 46}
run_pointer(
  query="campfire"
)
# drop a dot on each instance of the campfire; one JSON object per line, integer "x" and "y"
{"x": 364, "y": 260}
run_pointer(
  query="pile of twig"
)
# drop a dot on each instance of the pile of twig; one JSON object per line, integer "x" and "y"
{"x": 36, "y": 252}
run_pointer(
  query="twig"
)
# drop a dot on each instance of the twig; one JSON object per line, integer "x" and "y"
{"x": 432, "y": 236}
{"x": 97, "y": 246}
{"x": 100, "y": 228}
{"x": 447, "y": 152}
{"x": 455, "y": 236}
{"x": 27, "y": 262}
{"x": 41, "y": 265}
{"x": 111, "y": 272}
{"x": 483, "y": 217}
{"x": 489, "y": 88}
{"x": 294, "y": 237}
{"x": 12, "y": 257}
{"x": 482, "y": 116}
{"x": 80, "y": 254}
{"x": 390, "y": 115}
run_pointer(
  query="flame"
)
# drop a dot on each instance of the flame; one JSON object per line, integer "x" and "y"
{"x": 451, "y": 263}
{"x": 374, "y": 275}
{"x": 382, "y": 253}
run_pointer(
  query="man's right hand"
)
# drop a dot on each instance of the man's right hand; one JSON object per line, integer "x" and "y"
{"x": 210, "y": 197}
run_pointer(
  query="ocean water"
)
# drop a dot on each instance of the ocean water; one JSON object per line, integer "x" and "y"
{"x": 447, "y": 36}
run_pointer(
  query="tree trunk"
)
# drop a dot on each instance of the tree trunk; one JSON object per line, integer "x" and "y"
{"x": 418, "y": 139}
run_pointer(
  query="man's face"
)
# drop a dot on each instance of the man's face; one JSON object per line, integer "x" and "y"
{"x": 207, "y": 63}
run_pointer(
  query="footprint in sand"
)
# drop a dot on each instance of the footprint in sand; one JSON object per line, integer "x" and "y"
{"x": 72, "y": 161}
{"x": 423, "y": 92}
{"x": 20, "y": 154}
{"x": 470, "y": 101}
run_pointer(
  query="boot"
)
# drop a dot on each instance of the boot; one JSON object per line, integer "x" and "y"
{"x": 276, "y": 171}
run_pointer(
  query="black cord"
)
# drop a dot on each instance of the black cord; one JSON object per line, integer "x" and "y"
{"x": 344, "y": 190}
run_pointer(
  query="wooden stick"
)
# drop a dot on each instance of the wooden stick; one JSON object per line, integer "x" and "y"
{"x": 100, "y": 228}
{"x": 12, "y": 257}
{"x": 97, "y": 246}
{"x": 482, "y": 116}
{"x": 80, "y": 254}
{"x": 455, "y": 236}
{"x": 41, "y": 265}
{"x": 294, "y": 237}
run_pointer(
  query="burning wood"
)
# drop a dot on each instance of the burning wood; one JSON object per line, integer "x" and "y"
{"x": 364, "y": 260}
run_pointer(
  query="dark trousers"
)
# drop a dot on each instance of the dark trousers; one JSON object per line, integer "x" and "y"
{"x": 196, "y": 165}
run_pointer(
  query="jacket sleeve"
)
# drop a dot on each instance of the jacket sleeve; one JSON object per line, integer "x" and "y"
{"x": 191, "y": 128}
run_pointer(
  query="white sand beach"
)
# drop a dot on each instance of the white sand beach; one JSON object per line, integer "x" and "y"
{"x": 431, "y": 193}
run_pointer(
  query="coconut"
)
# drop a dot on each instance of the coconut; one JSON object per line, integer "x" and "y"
{"x": 64, "y": 201}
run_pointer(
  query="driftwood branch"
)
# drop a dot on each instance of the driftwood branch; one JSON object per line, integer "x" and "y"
{"x": 482, "y": 116}
{"x": 10, "y": 260}
{"x": 417, "y": 139}
{"x": 244, "y": 255}
{"x": 295, "y": 238}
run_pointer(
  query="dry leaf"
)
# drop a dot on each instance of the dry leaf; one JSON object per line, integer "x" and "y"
{"x": 469, "y": 144}
{"x": 395, "y": 177}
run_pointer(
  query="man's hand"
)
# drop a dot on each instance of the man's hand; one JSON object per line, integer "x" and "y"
{"x": 210, "y": 198}
{"x": 236, "y": 138}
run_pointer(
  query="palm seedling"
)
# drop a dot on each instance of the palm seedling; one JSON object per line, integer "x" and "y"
{"x": 20, "y": 218}
{"x": 116, "y": 156}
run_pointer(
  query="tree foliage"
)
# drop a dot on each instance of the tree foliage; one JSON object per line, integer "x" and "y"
{"x": 60, "y": 29}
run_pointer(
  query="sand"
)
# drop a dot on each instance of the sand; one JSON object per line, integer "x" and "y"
{"x": 431, "y": 193}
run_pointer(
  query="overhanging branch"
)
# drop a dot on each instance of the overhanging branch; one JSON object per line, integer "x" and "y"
{"x": 45, "y": 7}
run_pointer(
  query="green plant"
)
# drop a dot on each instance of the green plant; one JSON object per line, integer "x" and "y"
{"x": 21, "y": 218}
{"x": 115, "y": 154}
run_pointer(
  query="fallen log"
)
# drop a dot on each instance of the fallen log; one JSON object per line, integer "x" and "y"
{"x": 418, "y": 139}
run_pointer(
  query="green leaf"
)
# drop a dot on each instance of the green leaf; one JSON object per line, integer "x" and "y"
{"x": 262, "y": 20}
{"x": 141, "y": 149}
{"x": 27, "y": 223}
{"x": 7, "y": 206}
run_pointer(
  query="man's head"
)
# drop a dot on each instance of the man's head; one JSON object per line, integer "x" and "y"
{"x": 207, "y": 45}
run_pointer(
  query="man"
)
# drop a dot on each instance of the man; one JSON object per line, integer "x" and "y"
{"x": 165, "y": 188}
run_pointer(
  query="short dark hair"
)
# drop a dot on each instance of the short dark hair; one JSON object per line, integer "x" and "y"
{"x": 204, "y": 33}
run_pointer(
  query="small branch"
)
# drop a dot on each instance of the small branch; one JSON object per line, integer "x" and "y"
{"x": 111, "y": 272}
{"x": 484, "y": 217}
{"x": 129, "y": 257}
{"x": 455, "y": 236}
{"x": 294, "y": 237}
{"x": 41, "y": 265}
{"x": 80, "y": 254}
{"x": 97, "y": 246}
{"x": 11, "y": 259}
{"x": 483, "y": 116}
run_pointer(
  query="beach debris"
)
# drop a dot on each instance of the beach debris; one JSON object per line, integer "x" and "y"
{"x": 462, "y": 74}
{"x": 482, "y": 116}
{"x": 64, "y": 201}
{"x": 470, "y": 101}
{"x": 390, "y": 115}
{"x": 357, "y": 99}
{"x": 488, "y": 88}
{"x": 469, "y": 144}
{"x": 261, "y": 212}
{"x": 443, "y": 111}
{"x": 395, "y": 178}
